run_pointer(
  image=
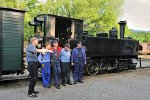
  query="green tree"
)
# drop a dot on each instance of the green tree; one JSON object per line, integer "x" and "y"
{"x": 98, "y": 15}
{"x": 141, "y": 36}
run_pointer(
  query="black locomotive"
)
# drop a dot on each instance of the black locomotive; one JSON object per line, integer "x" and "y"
{"x": 110, "y": 53}
{"x": 104, "y": 52}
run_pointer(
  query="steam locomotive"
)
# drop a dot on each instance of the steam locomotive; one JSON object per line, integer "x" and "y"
{"x": 103, "y": 52}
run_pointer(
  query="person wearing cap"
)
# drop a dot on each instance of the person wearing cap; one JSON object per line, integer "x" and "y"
{"x": 44, "y": 59}
{"x": 65, "y": 55}
{"x": 78, "y": 59}
{"x": 32, "y": 59}
{"x": 55, "y": 62}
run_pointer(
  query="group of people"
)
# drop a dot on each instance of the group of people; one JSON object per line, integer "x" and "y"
{"x": 56, "y": 58}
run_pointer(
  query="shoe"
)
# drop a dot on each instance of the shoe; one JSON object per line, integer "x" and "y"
{"x": 75, "y": 82}
{"x": 32, "y": 95}
{"x": 80, "y": 81}
{"x": 48, "y": 86}
{"x": 36, "y": 92}
{"x": 69, "y": 83}
{"x": 57, "y": 87}
{"x": 64, "y": 84}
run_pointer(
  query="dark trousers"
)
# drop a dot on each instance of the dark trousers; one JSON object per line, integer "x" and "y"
{"x": 78, "y": 70}
{"x": 56, "y": 72}
{"x": 33, "y": 72}
{"x": 65, "y": 68}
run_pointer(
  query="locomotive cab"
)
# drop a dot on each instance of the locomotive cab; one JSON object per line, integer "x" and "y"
{"x": 51, "y": 27}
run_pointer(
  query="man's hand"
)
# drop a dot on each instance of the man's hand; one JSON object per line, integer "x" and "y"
{"x": 49, "y": 51}
{"x": 44, "y": 50}
{"x": 43, "y": 65}
{"x": 72, "y": 64}
{"x": 43, "y": 53}
{"x": 85, "y": 63}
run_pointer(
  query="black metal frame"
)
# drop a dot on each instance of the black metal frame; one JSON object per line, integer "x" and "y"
{"x": 0, "y": 43}
{"x": 45, "y": 24}
{"x": 58, "y": 16}
{"x": 22, "y": 53}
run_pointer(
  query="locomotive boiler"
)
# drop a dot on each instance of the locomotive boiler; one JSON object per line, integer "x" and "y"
{"x": 109, "y": 53}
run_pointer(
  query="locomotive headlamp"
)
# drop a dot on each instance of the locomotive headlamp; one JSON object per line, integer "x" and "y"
{"x": 134, "y": 61}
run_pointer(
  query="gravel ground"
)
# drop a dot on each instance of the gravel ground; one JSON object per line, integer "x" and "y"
{"x": 126, "y": 85}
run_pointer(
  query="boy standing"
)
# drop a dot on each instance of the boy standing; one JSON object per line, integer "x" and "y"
{"x": 44, "y": 59}
{"x": 65, "y": 61}
{"x": 55, "y": 61}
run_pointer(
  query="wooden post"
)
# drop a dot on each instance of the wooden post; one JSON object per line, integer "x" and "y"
{"x": 140, "y": 62}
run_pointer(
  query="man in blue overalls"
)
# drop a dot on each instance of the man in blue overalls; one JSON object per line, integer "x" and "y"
{"x": 55, "y": 61}
{"x": 44, "y": 59}
{"x": 78, "y": 59}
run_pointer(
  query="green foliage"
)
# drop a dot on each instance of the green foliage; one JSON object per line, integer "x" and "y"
{"x": 141, "y": 36}
{"x": 98, "y": 15}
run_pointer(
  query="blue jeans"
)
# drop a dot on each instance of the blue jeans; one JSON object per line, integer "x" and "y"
{"x": 56, "y": 71}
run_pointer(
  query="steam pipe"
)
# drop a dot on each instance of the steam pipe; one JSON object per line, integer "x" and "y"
{"x": 122, "y": 28}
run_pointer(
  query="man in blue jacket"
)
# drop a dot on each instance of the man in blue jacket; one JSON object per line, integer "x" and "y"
{"x": 44, "y": 59}
{"x": 78, "y": 59}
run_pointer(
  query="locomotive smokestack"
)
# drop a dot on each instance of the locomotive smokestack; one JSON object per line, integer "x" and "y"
{"x": 122, "y": 28}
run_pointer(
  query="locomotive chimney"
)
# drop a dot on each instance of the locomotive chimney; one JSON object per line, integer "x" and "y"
{"x": 122, "y": 28}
